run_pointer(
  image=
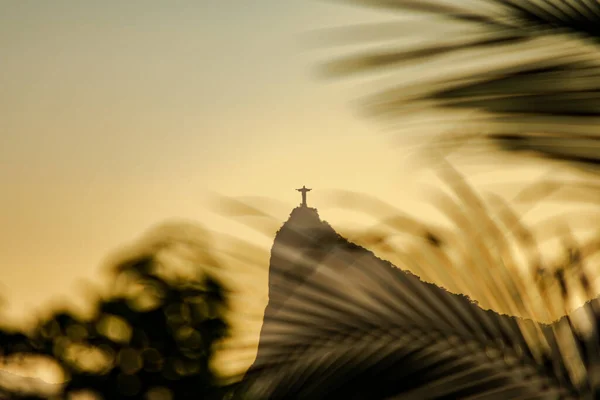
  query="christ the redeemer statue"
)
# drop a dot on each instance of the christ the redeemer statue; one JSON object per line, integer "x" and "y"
{"x": 303, "y": 190}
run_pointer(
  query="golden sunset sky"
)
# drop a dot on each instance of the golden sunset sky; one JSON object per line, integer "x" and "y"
{"x": 118, "y": 115}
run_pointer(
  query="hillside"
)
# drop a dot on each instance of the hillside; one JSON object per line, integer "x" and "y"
{"x": 342, "y": 322}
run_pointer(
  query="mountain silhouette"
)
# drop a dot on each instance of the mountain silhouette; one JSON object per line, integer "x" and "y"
{"x": 342, "y": 322}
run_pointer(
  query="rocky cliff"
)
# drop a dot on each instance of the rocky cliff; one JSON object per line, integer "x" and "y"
{"x": 342, "y": 322}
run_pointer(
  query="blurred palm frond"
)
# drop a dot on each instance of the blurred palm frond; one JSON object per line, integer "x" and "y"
{"x": 529, "y": 71}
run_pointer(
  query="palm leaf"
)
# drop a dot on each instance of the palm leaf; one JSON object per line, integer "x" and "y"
{"x": 529, "y": 69}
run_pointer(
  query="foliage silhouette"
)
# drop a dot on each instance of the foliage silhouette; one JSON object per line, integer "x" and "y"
{"x": 524, "y": 75}
{"x": 158, "y": 342}
{"x": 525, "y": 72}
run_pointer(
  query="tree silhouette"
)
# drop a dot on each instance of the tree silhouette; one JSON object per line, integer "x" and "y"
{"x": 156, "y": 342}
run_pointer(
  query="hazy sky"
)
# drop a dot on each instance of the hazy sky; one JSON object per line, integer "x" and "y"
{"x": 118, "y": 115}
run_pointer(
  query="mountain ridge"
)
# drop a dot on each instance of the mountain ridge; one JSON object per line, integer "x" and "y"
{"x": 325, "y": 290}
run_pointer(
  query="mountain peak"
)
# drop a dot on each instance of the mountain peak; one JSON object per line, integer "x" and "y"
{"x": 304, "y": 217}
{"x": 325, "y": 291}
{"x": 303, "y": 226}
